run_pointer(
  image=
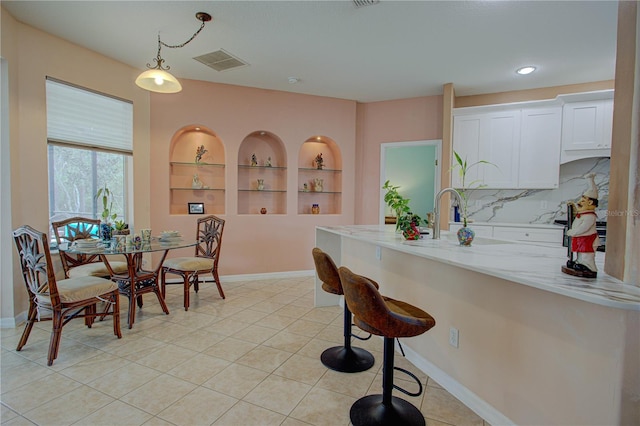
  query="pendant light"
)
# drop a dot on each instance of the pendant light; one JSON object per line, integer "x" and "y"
{"x": 157, "y": 78}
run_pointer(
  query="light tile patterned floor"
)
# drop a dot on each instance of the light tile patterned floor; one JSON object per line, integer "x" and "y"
{"x": 252, "y": 359}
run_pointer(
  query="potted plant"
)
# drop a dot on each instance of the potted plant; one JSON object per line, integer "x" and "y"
{"x": 408, "y": 223}
{"x": 466, "y": 234}
{"x": 120, "y": 228}
{"x": 105, "y": 197}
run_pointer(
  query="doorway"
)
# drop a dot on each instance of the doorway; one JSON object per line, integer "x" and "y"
{"x": 414, "y": 167}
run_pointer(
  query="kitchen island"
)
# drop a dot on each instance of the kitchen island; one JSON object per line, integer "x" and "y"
{"x": 536, "y": 346}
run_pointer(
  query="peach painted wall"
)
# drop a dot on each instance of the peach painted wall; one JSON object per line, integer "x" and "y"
{"x": 33, "y": 55}
{"x": 390, "y": 121}
{"x": 253, "y": 243}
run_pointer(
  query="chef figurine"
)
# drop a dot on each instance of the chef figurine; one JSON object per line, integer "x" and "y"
{"x": 584, "y": 237}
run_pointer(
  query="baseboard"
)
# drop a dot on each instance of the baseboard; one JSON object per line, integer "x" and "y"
{"x": 13, "y": 322}
{"x": 479, "y": 406}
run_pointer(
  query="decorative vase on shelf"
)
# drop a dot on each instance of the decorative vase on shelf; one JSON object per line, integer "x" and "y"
{"x": 318, "y": 185}
{"x": 260, "y": 184}
{"x": 196, "y": 183}
{"x": 465, "y": 236}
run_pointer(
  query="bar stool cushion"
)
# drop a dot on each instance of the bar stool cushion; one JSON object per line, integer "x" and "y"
{"x": 383, "y": 316}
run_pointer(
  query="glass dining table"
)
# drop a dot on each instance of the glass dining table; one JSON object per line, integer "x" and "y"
{"x": 137, "y": 280}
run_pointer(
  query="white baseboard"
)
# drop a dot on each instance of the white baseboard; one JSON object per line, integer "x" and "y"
{"x": 479, "y": 406}
{"x": 13, "y": 322}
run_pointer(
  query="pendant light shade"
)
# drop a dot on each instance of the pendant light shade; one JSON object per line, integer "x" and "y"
{"x": 157, "y": 78}
{"x": 159, "y": 81}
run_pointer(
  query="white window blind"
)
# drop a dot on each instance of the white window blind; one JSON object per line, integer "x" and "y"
{"x": 79, "y": 116}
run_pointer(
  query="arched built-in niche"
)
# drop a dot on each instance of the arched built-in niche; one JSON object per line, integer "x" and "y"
{"x": 262, "y": 159}
{"x": 193, "y": 178}
{"x": 319, "y": 185}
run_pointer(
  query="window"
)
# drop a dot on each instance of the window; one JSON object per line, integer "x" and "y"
{"x": 90, "y": 139}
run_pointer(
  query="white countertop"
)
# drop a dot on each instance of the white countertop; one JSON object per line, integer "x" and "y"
{"x": 532, "y": 264}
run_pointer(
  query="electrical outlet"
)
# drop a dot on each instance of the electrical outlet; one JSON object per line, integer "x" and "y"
{"x": 453, "y": 337}
{"x": 543, "y": 204}
{"x": 379, "y": 253}
{"x": 479, "y": 204}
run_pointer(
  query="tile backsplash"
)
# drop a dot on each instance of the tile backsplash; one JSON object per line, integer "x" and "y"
{"x": 542, "y": 206}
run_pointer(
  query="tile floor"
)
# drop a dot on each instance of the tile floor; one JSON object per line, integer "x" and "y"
{"x": 252, "y": 359}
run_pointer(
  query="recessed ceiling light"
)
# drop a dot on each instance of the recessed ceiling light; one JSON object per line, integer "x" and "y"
{"x": 526, "y": 70}
{"x": 293, "y": 80}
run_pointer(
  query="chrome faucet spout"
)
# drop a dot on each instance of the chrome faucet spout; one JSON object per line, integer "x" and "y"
{"x": 436, "y": 209}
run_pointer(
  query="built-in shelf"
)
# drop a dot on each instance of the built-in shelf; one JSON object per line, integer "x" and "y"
{"x": 266, "y": 151}
{"x": 328, "y": 176}
{"x": 184, "y": 171}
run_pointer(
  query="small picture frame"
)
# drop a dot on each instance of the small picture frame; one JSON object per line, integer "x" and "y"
{"x": 196, "y": 208}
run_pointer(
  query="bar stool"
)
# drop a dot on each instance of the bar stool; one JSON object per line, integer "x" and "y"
{"x": 345, "y": 359}
{"x": 391, "y": 319}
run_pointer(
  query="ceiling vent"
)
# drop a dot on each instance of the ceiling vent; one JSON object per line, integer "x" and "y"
{"x": 220, "y": 60}
{"x": 360, "y": 3}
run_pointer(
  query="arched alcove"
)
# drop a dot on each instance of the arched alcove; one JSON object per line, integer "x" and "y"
{"x": 262, "y": 174}
{"x": 196, "y": 178}
{"x": 319, "y": 184}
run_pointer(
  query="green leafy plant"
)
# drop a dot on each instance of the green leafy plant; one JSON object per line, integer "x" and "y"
{"x": 105, "y": 197}
{"x": 466, "y": 189}
{"x": 406, "y": 221}
{"x": 120, "y": 225}
{"x": 395, "y": 200}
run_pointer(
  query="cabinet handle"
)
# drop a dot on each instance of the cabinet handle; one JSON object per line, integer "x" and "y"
{"x": 526, "y": 234}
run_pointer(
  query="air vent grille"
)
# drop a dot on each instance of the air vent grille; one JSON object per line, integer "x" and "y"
{"x": 360, "y": 3}
{"x": 220, "y": 60}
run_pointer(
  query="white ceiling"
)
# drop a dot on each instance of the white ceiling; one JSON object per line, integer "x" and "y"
{"x": 390, "y": 50}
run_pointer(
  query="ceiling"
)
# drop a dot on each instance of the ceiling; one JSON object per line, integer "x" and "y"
{"x": 384, "y": 51}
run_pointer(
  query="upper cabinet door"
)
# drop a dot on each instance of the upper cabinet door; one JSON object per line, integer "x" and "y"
{"x": 583, "y": 125}
{"x": 538, "y": 166}
{"x": 586, "y": 129}
{"x": 501, "y": 147}
{"x": 466, "y": 142}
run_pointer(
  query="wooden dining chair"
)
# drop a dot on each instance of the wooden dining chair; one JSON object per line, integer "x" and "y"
{"x": 59, "y": 301}
{"x": 81, "y": 265}
{"x": 209, "y": 235}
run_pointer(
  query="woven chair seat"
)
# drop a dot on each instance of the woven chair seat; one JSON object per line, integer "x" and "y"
{"x": 189, "y": 263}
{"x": 82, "y": 288}
{"x": 97, "y": 269}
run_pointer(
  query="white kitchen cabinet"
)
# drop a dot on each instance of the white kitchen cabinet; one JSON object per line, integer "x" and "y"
{"x": 513, "y": 232}
{"x": 540, "y": 235}
{"x": 586, "y": 129}
{"x": 466, "y": 142}
{"x": 540, "y": 140}
{"x": 523, "y": 144}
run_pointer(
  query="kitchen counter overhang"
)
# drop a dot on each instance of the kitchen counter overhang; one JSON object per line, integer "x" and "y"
{"x": 533, "y": 264}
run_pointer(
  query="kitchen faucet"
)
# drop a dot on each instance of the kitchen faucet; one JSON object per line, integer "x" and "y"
{"x": 436, "y": 210}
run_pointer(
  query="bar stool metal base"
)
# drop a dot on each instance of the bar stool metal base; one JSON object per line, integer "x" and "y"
{"x": 347, "y": 359}
{"x": 371, "y": 411}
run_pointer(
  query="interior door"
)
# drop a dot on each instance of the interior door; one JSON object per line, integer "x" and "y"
{"x": 414, "y": 167}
